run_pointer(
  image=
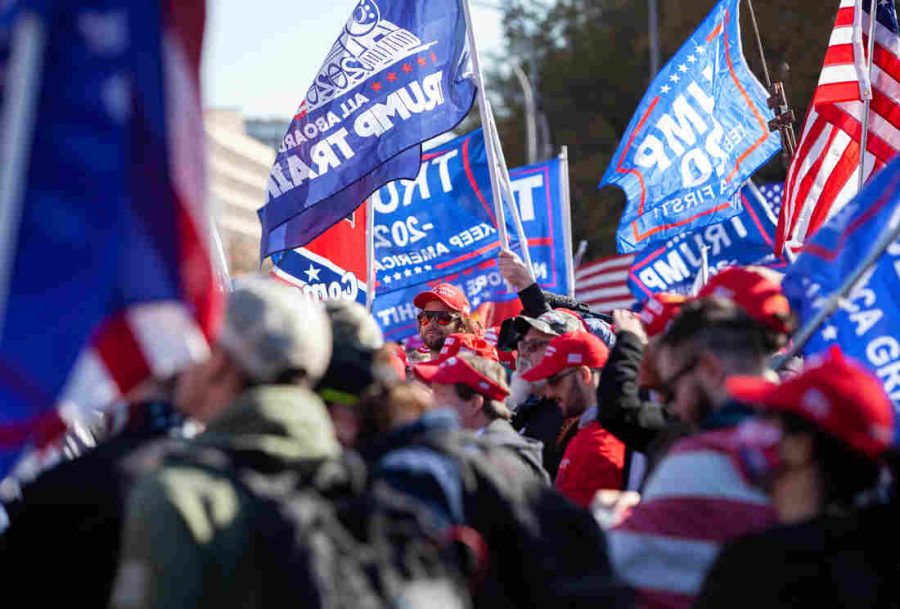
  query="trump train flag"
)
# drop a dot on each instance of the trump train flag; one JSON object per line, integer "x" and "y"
{"x": 865, "y": 326}
{"x": 395, "y": 77}
{"x": 106, "y": 276}
{"x": 699, "y": 132}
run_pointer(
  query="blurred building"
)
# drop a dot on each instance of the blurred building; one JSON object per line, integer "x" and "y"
{"x": 239, "y": 166}
{"x": 270, "y": 131}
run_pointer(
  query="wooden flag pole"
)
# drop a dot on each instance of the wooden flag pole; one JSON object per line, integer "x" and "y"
{"x": 370, "y": 254}
{"x": 867, "y": 95}
{"x": 23, "y": 80}
{"x": 484, "y": 111}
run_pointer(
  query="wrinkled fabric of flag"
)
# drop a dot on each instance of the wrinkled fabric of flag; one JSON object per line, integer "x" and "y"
{"x": 699, "y": 133}
{"x": 395, "y": 77}
{"x": 538, "y": 194}
{"x": 866, "y": 325}
{"x": 110, "y": 277}
{"x": 743, "y": 239}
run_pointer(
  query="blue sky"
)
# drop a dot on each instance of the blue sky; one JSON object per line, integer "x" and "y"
{"x": 261, "y": 55}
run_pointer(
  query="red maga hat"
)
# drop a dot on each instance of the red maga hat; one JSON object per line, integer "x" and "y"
{"x": 569, "y": 351}
{"x": 446, "y": 293}
{"x": 659, "y": 311}
{"x": 835, "y": 394}
{"x": 457, "y": 370}
{"x": 455, "y": 344}
{"x": 755, "y": 292}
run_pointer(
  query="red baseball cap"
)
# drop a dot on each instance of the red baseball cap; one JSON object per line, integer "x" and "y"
{"x": 448, "y": 294}
{"x": 460, "y": 370}
{"x": 835, "y": 394}
{"x": 455, "y": 344}
{"x": 659, "y": 311}
{"x": 568, "y": 351}
{"x": 755, "y": 290}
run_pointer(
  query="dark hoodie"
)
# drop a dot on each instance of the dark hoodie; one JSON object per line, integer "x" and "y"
{"x": 529, "y": 451}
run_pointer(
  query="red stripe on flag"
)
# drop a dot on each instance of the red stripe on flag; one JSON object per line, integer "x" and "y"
{"x": 121, "y": 353}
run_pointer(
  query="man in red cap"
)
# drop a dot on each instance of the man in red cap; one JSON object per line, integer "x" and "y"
{"x": 444, "y": 310}
{"x": 594, "y": 459}
{"x": 816, "y": 448}
{"x": 476, "y": 389}
{"x": 455, "y": 344}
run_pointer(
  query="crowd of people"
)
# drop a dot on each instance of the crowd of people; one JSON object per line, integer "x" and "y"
{"x": 650, "y": 458}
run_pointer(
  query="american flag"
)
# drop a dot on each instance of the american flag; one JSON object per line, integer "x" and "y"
{"x": 824, "y": 173}
{"x": 603, "y": 284}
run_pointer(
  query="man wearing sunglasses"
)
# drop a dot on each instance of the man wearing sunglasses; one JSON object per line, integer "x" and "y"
{"x": 444, "y": 310}
{"x": 594, "y": 459}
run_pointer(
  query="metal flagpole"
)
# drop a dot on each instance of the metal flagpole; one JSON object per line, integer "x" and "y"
{"x": 370, "y": 254}
{"x": 704, "y": 266}
{"x": 801, "y": 337}
{"x": 506, "y": 186}
{"x": 864, "y": 136}
{"x": 16, "y": 137}
{"x": 488, "y": 141}
{"x": 566, "y": 199}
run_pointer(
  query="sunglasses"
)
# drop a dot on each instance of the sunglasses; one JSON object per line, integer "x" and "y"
{"x": 556, "y": 379}
{"x": 667, "y": 387}
{"x": 444, "y": 318}
{"x": 527, "y": 347}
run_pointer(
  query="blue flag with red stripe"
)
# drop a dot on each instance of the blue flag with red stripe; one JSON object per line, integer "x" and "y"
{"x": 866, "y": 325}
{"x": 105, "y": 277}
{"x": 699, "y": 133}
{"x": 395, "y": 77}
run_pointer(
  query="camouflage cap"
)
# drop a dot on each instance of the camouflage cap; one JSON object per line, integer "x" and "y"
{"x": 556, "y": 323}
{"x": 271, "y": 329}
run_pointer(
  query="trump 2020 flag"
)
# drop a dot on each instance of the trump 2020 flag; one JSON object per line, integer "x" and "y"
{"x": 699, "y": 132}
{"x": 866, "y": 325}
{"x": 395, "y": 77}
{"x": 332, "y": 266}
{"x": 105, "y": 272}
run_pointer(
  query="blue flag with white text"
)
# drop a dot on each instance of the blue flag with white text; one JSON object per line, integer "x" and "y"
{"x": 746, "y": 238}
{"x": 394, "y": 78}
{"x": 866, "y": 326}
{"x": 699, "y": 132}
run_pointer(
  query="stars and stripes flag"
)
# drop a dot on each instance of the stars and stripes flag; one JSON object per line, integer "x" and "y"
{"x": 824, "y": 173}
{"x": 106, "y": 277}
{"x": 603, "y": 284}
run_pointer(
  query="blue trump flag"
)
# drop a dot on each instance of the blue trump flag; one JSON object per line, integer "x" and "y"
{"x": 393, "y": 79}
{"x": 747, "y": 238}
{"x": 866, "y": 326}
{"x": 108, "y": 280}
{"x": 699, "y": 132}
{"x": 539, "y": 197}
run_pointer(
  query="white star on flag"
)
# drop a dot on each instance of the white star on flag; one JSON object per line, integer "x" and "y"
{"x": 692, "y": 58}
{"x": 398, "y": 276}
{"x": 829, "y": 332}
{"x": 665, "y": 88}
{"x": 387, "y": 279}
{"x": 674, "y": 78}
{"x": 699, "y": 49}
{"x": 312, "y": 274}
{"x": 407, "y": 273}
{"x": 682, "y": 68}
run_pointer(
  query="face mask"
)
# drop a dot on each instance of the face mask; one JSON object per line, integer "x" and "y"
{"x": 758, "y": 444}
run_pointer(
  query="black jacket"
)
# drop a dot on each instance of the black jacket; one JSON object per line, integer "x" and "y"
{"x": 542, "y": 420}
{"x": 64, "y": 533}
{"x": 830, "y": 562}
{"x": 626, "y": 412}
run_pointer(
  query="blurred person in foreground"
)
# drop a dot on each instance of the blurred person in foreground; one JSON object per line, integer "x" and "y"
{"x": 445, "y": 310}
{"x": 475, "y": 387}
{"x": 189, "y": 529}
{"x": 816, "y": 448}
{"x": 594, "y": 459}
{"x": 695, "y": 499}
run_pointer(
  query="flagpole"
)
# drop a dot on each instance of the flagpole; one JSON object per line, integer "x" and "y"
{"x": 864, "y": 136}
{"x": 506, "y": 185}
{"x": 566, "y": 198}
{"x": 803, "y": 335}
{"x": 485, "y": 121}
{"x": 370, "y": 255}
{"x": 16, "y": 137}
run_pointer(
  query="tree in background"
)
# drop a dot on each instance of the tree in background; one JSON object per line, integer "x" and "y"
{"x": 589, "y": 60}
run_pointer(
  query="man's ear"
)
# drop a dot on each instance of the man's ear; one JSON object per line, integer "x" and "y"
{"x": 711, "y": 366}
{"x": 477, "y": 402}
{"x": 585, "y": 375}
{"x": 797, "y": 449}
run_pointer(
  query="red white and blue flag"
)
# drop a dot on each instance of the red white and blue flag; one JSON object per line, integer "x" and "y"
{"x": 105, "y": 271}
{"x": 824, "y": 173}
